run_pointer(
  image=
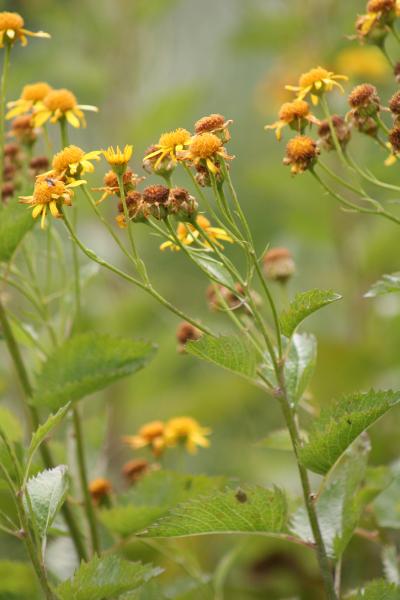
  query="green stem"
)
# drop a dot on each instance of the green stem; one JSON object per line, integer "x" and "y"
{"x": 127, "y": 218}
{"x": 80, "y": 453}
{"x": 328, "y": 117}
{"x": 223, "y": 568}
{"x": 382, "y": 124}
{"x": 64, "y": 132}
{"x": 3, "y": 92}
{"x": 34, "y": 419}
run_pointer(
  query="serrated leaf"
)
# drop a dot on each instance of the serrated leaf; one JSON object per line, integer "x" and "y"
{"x": 339, "y": 425}
{"x": 10, "y": 425}
{"x": 230, "y": 352}
{"x": 15, "y": 222}
{"x": 303, "y": 305}
{"x": 47, "y": 492}
{"x": 390, "y": 563}
{"x": 106, "y": 577}
{"x": 214, "y": 268}
{"x": 85, "y": 364}
{"x": 378, "y": 590}
{"x": 247, "y": 510}
{"x": 300, "y": 365}
{"x": 152, "y": 497}
{"x": 388, "y": 284}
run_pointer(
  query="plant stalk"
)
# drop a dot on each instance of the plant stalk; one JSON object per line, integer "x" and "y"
{"x": 3, "y": 92}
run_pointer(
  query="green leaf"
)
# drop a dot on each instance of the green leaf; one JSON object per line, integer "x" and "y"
{"x": 230, "y": 352}
{"x": 16, "y": 220}
{"x": 10, "y": 425}
{"x": 300, "y": 365}
{"x": 378, "y": 590}
{"x": 340, "y": 502}
{"x": 302, "y": 306}
{"x": 17, "y": 581}
{"x": 152, "y": 497}
{"x": 47, "y": 492}
{"x": 43, "y": 431}
{"x": 386, "y": 507}
{"x": 87, "y": 363}
{"x": 279, "y": 440}
{"x": 390, "y": 563}
{"x": 214, "y": 269}
{"x": 247, "y": 510}
{"x": 387, "y": 285}
{"x": 339, "y": 425}
{"x": 106, "y": 577}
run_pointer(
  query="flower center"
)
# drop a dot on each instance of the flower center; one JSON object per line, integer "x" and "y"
{"x": 35, "y": 91}
{"x": 205, "y": 145}
{"x": 10, "y": 20}
{"x": 301, "y": 147}
{"x": 293, "y": 110}
{"x": 171, "y": 139}
{"x": 68, "y": 156}
{"x": 60, "y": 99}
{"x": 311, "y": 77}
{"x": 44, "y": 190}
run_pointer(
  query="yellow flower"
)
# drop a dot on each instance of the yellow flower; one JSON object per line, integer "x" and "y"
{"x": 73, "y": 161}
{"x": 316, "y": 82}
{"x": 151, "y": 434}
{"x": 118, "y": 158}
{"x": 61, "y": 104}
{"x": 99, "y": 488}
{"x": 30, "y": 96}
{"x": 187, "y": 431}
{"x": 207, "y": 148}
{"x": 296, "y": 114}
{"x": 49, "y": 193}
{"x": 363, "y": 62}
{"x": 187, "y": 234}
{"x": 301, "y": 153}
{"x": 12, "y": 28}
{"x": 169, "y": 145}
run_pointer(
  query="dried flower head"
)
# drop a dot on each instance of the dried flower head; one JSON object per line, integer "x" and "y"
{"x": 188, "y": 432}
{"x": 301, "y": 154}
{"x": 72, "y": 162}
{"x": 169, "y": 146}
{"x": 394, "y": 104}
{"x": 31, "y": 94}
{"x": 99, "y": 489}
{"x": 279, "y": 264}
{"x": 22, "y": 128}
{"x": 61, "y": 104}
{"x": 12, "y": 29}
{"x": 12, "y": 151}
{"x": 316, "y": 82}
{"x": 296, "y": 114}
{"x": 7, "y": 191}
{"x": 186, "y": 332}
{"x": 342, "y": 130}
{"x": 394, "y": 139}
{"x": 136, "y": 208}
{"x": 50, "y": 193}
{"x": 396, "y": 72}
{"x": 151, "y": 434}
{"x": 155, "y": 198}
{"x": 38, "y": 165}
{"x": 181, "y": 204}
{"x": 188, "y": 233}
{"x": 364, "y": 98}
{"x": 378, "y": 6}
{"x": 135, "y": 469}
{"x": 130, "y": 181}
{"x": 214, "y": 123}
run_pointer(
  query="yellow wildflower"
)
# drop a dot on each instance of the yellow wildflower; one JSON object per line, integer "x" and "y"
{"x": 30, "y": 96}
{"x": 301, "y": 153}
{"x": 296, "y": 114}
{"x": 49, "y": 193}
{"x": 363, "y": 62}
{"x": 61, "y": 104}
{"x": 169, "y": 145}
{"x": 151, "y": 434}
{"x": 73, "y": 161}
{"x": 12, "y": 29}
{"x": 316, "y": 82}
{"x": 207, "y": 148}
{"x": 186, "y": 431}
{"x": 187, "y": 234}
{"x": 117, "y": 158}
{"x": 99, "y": 488}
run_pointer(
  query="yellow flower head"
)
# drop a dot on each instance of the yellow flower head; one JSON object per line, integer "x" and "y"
{"x": 30, "y": 96}
{"x": 186, "y": 431}
{"x": 49, "y": 193}
{"x": 61, "y": 104}
{"x": 296, "y": 114}
{"x": 301, "y": 153}
{"x": 316, "y": 82}
{"x": 187, "y": 234}
{"x": 363, "y": 62}
{"x": 73, "y": 161}
{"x": 99, "y": 488}
{"x": 207, "y": 148}
{"x": 117, "y": 158}
{"x": 169, "y": 145}
{"x": 151, "y": 434}
{"x": 12, "y": 29}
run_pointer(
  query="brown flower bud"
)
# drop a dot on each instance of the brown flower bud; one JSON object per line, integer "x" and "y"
{"x": 100, "y": 489}
{"x": 220, "y": 297}
{"x": 394, "y": 105}
{"x": 23, "y": 129}
{"x": 394, "y": 139}
{"x": 364, "y": 100}
{"x": 279, "y": 265}
{"x": 11, "y": 150}
{"x": 301, "y": 153}
{"x": 214, "y": 123}
{"x": 378, "y": 6}
{"x": 342, "y": 131}
{"x": 135, "y": 469}
{"x": 9, "y": 170}
{"x": 186, "y": 332}
{"x": 155, "y": 198}
{"x": 39, "y": 164}
{"x": 181, "y": 204}
{"x": 135, "y": 207}
{"x": 8, "y": 190}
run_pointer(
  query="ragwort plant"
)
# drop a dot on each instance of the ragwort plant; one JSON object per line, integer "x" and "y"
{"x": 265, "y": 347}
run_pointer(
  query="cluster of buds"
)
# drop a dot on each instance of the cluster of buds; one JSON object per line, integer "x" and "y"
{"x": 365, "y": 106}
{"x": 374, "y": 25}
{"x": 342, "y": 131}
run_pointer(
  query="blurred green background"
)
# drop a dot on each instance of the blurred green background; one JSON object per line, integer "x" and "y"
{"x": 152, "y": 66}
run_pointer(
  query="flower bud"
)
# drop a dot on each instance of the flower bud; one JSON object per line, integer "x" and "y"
{"x": 38, "y": 165}
{"x": 279, "y": 265}
{"x": 135, "y": 469}
{"x": 100, "y": 490}
{"x": 182, "y": 205}
{"x": 342, "y": 130}
{"x": 364, "y": 100}
{"x": 8, "y": 191}
{"x": 186, "y": 332}
{"x": 135, "y": 207}
{"x": 155, "y": 199}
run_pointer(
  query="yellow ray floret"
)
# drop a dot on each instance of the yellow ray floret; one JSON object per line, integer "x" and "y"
{"x": 117, "y": 157}
{"x": 169, "y": 145}
{"x": 61, "y": 104}
{"x": 296, "y": 114}
{"x": 316, "y": 82}
{"x": 186, "y": 431}
{"x": 187, "y": 234}
{"x": 73, "y": 161}
{"x": 30, "y": 96}
{"x": 12, "y": 29}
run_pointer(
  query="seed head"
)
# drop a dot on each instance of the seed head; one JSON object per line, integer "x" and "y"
{"x": 301, "y": 153}
{"x": 394, "y": 104}
{"x": 365, "y": 100}
{"x": 156, "y": 194}
{"x": 181, "y": 204}
{"x": 377, "y": 6}
{"x": 394, "y": 139}
{"x": 341, "y": 128}
{"x": 61, "y": 99}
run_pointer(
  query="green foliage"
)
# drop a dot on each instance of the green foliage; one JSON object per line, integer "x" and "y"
{"x": 386, "y": 285}
{"x": 339, "y": 425}
{"x": 386, "y": 507}
{"x": 303, "y": 305}
{"x": 17, "y": 581}
{"x": 47, "y": 492}
{"x": 15, "y": 222}
{"x": 153, "y": 497}
{"x": 300, "y": 365}
{"x": 106, "y": 577}
{"x": 10, "y": 425}
{"x": 390, "y": 563}
{"x": 230, "y": 352}
{"x": 87, "y": 363}
{"x": 378, "y": 590}
{"x": 247, "y": 510}
{"x": 214, "y": 268}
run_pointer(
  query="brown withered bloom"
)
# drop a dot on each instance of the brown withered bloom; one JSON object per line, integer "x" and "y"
{"x": 152, "y": 164}
{"x": 342, "y": 130}
{"x": 394, "y": 139}
{"x": 38, "y": 165}
{"x": 111, "y": 187}
{"x": 9, "y": 170}
{"x": 12, "y": 151}
{"x": 186, "y": 332}
{"x": 22, "y": 128}
{"x": 135, "y": 469}
{"x": 279, "y": 265}
{"x": 364, "y": 100}
{"x": 155, "y": 199}
{"x": 214, "y": 123}
{"x": 377, "y": 6}
{"x": 100, "y": 490}
{"x": 135, "y": 207}
{"x": 8, "y": 191}
{"x": 394, "y": 105}
{"x": 181, "y": 204}
{"x": 301, "y": 154}
{"x": 396, "y": 72}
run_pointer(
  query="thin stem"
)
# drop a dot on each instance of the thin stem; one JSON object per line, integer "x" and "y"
{"x": 3, "y": 92}
{"x": 328, "y": 117}
{"x": 382, "y": 124}
{"x": 64, "y": 132}
{"x": 128, "y": 220}
{"x": 80, "y": 454}
{"x": 77, "y": 279}
{"x": 222, "y": 571}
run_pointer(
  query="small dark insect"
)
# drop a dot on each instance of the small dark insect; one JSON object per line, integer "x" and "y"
{"x": 50, "y": 182}
{"x": 241, "y": 496}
